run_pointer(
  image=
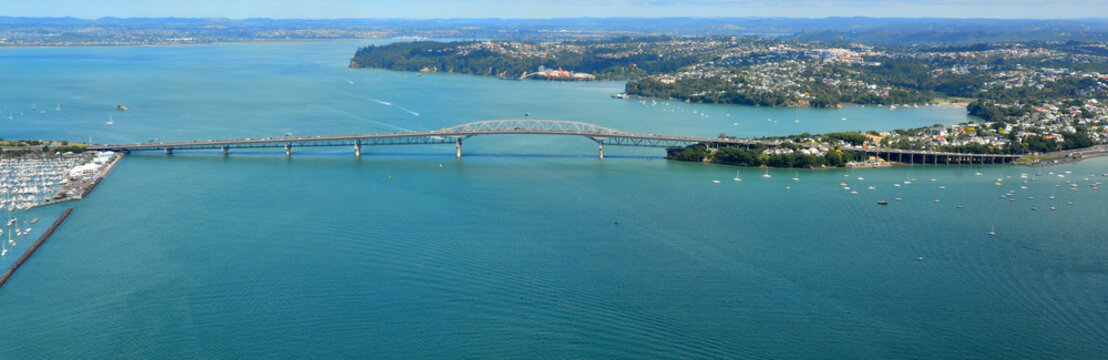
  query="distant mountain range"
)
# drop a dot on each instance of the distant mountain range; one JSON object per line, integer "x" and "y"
{"x": 878, "y": 31}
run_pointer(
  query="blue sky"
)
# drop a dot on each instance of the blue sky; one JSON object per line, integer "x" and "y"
{"x": 554, "y": 8}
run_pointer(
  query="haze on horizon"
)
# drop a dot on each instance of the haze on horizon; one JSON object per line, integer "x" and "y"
{"x": 434, "y": 9}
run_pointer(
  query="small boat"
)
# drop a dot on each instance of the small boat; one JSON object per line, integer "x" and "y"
{"x": 992, "y": 232}
{"x": 960, "y": 206}
{"x": 110, "y": 120}
{"x": 59, "y": 107}
{"x": 35, "y": 220}
{"x": 936, "y": 201}
{"x": 882, "y": 202}
{"x": 942, "y": 187}
{"x": 715, "y": 181}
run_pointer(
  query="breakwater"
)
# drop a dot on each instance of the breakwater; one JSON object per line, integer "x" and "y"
{"x": 31, "y": 250}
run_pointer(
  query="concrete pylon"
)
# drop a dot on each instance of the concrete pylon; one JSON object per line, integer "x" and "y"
{"x": 357, "y": 149}
{"x": 601, "y": 151}
{"x": 458, "y": 146}
{"x": 169, "y": 151}
{"x": 225, "y": 150}
{"x": 288, "y": 150}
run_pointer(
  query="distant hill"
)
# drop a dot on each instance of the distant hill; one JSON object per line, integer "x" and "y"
{"x": 878, "y": 31}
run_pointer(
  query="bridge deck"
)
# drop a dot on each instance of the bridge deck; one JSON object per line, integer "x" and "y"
{"x": 457, "y": 134}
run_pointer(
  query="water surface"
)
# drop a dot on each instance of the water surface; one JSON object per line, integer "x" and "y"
{"x": 410, "y": 253}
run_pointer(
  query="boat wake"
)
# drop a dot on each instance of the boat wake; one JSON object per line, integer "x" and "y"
{"x": 408, "y": 111}
{"x": 386, "y": 103}
{"x": 356, "y": 116}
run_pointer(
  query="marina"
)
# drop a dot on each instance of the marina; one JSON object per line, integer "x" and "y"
{"x": 32, "y": 180}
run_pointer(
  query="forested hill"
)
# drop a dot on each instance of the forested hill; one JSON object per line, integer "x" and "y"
{"x": 512, "y": 59}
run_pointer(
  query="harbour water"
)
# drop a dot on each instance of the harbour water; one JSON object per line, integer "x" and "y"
{"x": 515, "y": 251}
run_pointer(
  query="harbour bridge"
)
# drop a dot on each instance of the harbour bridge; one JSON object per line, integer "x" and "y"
{"x": 456, "y": 135}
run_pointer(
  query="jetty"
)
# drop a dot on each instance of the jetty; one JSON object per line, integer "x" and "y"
{"x": 34, "y": 247}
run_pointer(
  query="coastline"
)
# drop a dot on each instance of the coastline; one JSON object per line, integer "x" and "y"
{"x": 3, "y": 46}
{"x": 88, "y": 188}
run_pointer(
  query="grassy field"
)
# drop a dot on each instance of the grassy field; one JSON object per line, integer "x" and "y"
{"x": 1032, "y": 159}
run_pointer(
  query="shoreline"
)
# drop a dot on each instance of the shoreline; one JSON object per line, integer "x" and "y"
{"x": 185, "y": 43}
{"x": 87, "y": 189}
{"x": 103, "y": 173}
{"x": 34, "y": 247}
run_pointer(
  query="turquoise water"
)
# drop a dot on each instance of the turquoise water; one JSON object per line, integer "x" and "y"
{"x": 513, "y": 251}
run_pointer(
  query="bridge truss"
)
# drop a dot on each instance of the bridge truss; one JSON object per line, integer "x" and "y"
{"x": 457, "y": 134}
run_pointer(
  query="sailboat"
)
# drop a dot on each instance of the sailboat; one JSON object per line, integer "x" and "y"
{"x": 797, "y": 176}
{"x": 110, "y": 120}
{"x": 59, "y": 107}
{"x": 767, "y": 176}
{"x": 992, "y": 231}
{"x": 737, "y": 178}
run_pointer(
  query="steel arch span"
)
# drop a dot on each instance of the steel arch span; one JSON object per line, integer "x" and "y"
{"x": 524, "y": 125}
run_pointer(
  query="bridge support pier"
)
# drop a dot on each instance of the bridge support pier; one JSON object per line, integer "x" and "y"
{"x": 225, "y": 150}
{"x": 169, "y": 151}
{"x": 601, "y": 151}
{"x": 458, "y": 147}
{"x": 288, "y": 150}
{"x": 357, "y": 149}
